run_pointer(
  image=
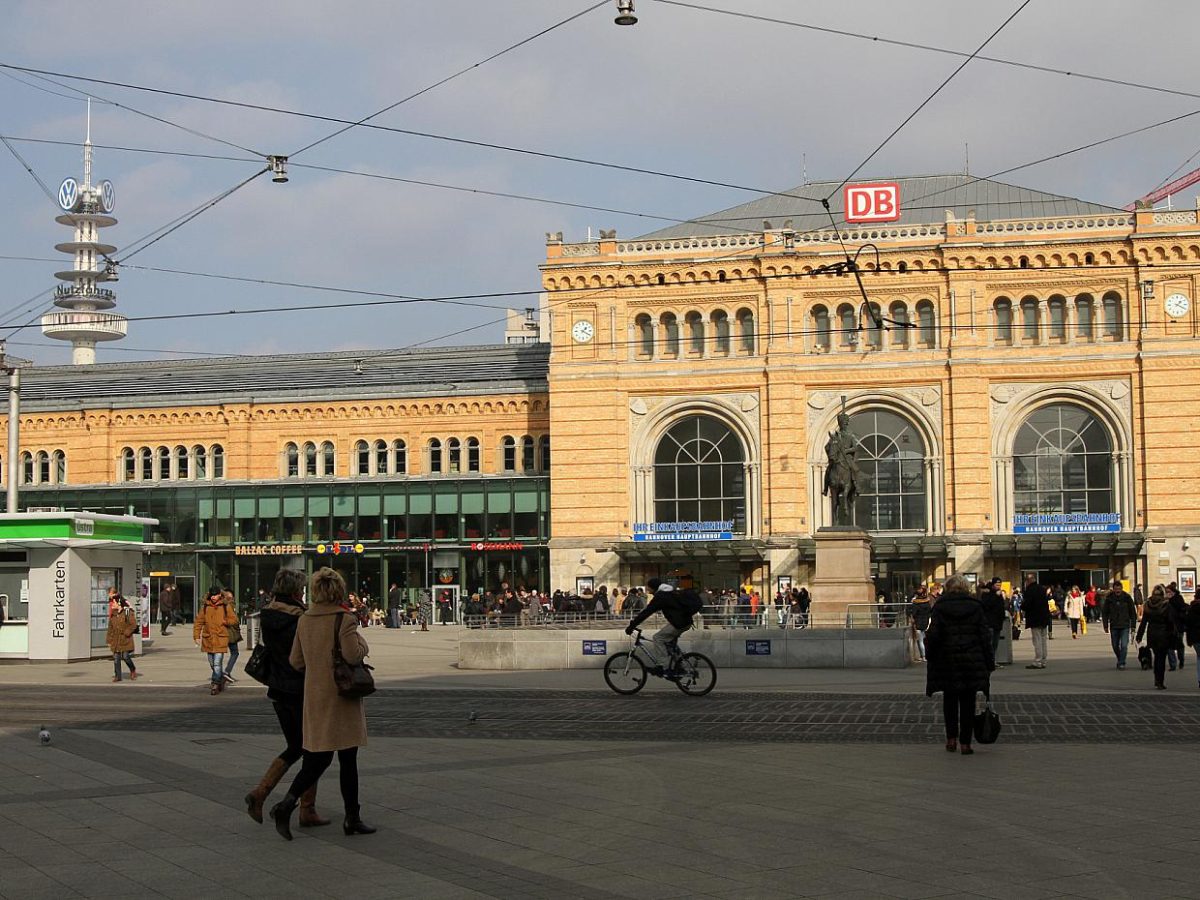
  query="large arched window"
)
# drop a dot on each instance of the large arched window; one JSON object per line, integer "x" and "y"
{"x": 291, "y": 455}
{"x": 310, "y": 458}
{"x": 898, "y": 313}
{"x": 27, "y": 470}
{"x": 218, "y": 461}
{"x": 128, "y": 464}
{"x": 454, "y": 455}
{"x": 145, "y": 464}
{"x": 1056, "y": 306}
{"x": 164, "y": 462}
{"x": 720, "y": 323}
{"x": 875, "y": 327}
{"x": 645, "y": 330}
{"x": 1062, "y": 463}
{"x": 527, "y": 454}
{"x": 847, "y": 325}
{"x": 472, "y": 454}
{"x": 1112, "y": 315}
{"x": 508, "y": 454}
{"x": 1004, "y": 320}
{"x": 43, "y": 467}
{"x": 699, "y": 474}
{"x": 1083, "y": 317}
{"x": 328, "y": 459}
{"x": 746, "y": 330}
{"x": 544, "y": 452}
{"x": 435, "y": 456}
{"x": 399, "y": 457}
{"x": 1029, "y": 320}
{"x": 182, "y": 469}
{"x": 695, "y": 330}
{"x": 926, "y": 324}
{"x": 820, "y": 320}
{"x": 379, "y": 450}
{"x": 670, "y": 334}
{"x": 200, "y": 461}
{"x": 59, "y": 458}
{"x": 891, "y": 465}
{"x": 361, "y": 458}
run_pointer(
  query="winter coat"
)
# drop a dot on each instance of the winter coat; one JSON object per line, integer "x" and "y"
{"x": 1158, "y": 624}
{"x": 1191, "y": 623}
{"x": 1035, "y": 606}
{"x": 279, "y": 620}
{"x": 670, "y": 603}
{"x": 211, "y": 628}
{"x": 121, "y": 626}
{"x": 919, "y": 611}
{"x": 1118, "y": 610}
{"x": 958, "y": 646}
{"x": 1073, "y": 606}
{"x": 331, "y": 721}
{"x": 993, "y": 609}
{"x": 1178, "y": 607}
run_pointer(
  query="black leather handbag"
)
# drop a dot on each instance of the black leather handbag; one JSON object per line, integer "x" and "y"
{"x": 258, "y": 666}
{"x": 353, "y": 681}
{"x": 987, "y": 724}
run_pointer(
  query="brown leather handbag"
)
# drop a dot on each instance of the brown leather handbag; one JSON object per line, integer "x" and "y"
{"x": 353, "y": 681}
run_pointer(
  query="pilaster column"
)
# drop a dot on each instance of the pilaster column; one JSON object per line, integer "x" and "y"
{"x": 1043, "y": 321}
{"x": 753, "y": 500}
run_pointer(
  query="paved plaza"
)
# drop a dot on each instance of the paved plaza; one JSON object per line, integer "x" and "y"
{"x": 780, "y": 784}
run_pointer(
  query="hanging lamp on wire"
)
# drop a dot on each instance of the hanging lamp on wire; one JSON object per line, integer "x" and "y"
{"x": 625, "y": 14}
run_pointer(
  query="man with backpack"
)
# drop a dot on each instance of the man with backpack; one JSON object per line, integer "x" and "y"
{"x": 678, "y": 608}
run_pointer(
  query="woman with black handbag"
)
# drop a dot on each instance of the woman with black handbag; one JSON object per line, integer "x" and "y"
{"x": 959, "y": 657}
{"x": 332, "y": 722}
{"x": 285, "y": 690}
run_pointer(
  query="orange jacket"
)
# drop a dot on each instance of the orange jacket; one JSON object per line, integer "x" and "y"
{"x": 210, "y": 628}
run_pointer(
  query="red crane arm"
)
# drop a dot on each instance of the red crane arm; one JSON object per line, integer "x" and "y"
{"x": 1167, "y": 189}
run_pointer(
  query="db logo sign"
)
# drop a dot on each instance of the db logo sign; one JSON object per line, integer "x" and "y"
{"x": 872, "y": 202}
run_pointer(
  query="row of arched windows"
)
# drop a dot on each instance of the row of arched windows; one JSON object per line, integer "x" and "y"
{"x": 442, "y": 456}
{"x": 696, "y": 334}
{"x": 1058, "y": 319}
{"x": 44, "y": 467}
{"x": 181, "y": 463}
{"x": 848, "y": 325}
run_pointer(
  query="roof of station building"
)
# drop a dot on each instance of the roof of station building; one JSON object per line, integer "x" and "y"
{"x": 344, "y": 375}
{"x": 924, "y": 200}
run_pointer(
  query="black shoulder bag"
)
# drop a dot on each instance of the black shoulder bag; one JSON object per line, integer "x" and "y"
{"x": 353, "y": 681}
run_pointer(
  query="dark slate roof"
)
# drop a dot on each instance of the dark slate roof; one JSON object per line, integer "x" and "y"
{"x": 434, "y": 371}
{"x": 924, "y": 200}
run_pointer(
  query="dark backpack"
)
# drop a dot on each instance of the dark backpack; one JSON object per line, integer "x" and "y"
{"x": 691, "y": 602}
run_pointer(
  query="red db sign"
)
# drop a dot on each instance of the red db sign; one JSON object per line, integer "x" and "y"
{"x": 872, "y": 202}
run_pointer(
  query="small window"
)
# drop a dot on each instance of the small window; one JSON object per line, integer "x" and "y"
{"x": 1083, "y": 317}
{"x": 902, "y": 267}
{"x": 292, "y": 457}
{"x": 695, "y": 329}
{"x": 164, "y": 462}
{"x": 146, "y": 464}
{"x": 362, "y": 458}
{"x": 310, "y": 458}
{"x": 721, "y": 275}
{"x": 926, "y": 324}
{"x": 59, "y": 458}
{"x": 43, "y": 466}
{"x": 27, "y": 470}
{"x": 544, "y": 452}
{"x": 645, "y": 330}
{"x": 182, "y": 460}
{"x": 898, "y": 313}
{"x": 847, "y": 325}
{"x": 200, "y": 461}
{"x": 128, "y": 464}
{"x": 820, "y": 317}
{"x": 380, "y": 449}
{"x": 454, "y": 456}
{"x": 720, "y": 321}
{"x": 1089, "y": 259}
{"x": 1004, "y": 320}
{"x": 1029, "y": 320}
{"x": 875, "y": 327}
{"x": 1112, "y": 315}
{"x": 435, "y": 456}
{"x": 527, "y": 454}
{"x": 746, "y": 330}
{"x": 218, "y": 461}
{"x": 399, "y": 457}
{"x": 1024, "y": 262}
{"x": 472, "y": 454}
{"x": 660, "y": 279}
{"x": 328, "y": 459}
{"x": 670, "y": 330}
{"x": 508, "y": 452}
{"x": 1057, "y": 308}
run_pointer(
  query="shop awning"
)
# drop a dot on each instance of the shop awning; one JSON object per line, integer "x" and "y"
{"x": 661, "y": 551}
{"x": 1095, "y": 545}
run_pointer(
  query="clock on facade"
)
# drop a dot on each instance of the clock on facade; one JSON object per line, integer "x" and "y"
{"x": 582, "y": 331}
{"x": 1177, "y": 305}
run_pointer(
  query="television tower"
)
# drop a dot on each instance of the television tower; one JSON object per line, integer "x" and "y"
{"x": 87, "y": 208}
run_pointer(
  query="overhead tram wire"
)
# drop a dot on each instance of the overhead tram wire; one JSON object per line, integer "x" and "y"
{"x": 449, "y": 78}
{"x": 913, "y": 45}
{"x": 185, "y": 154}
{"x": 927, "y": 100}
{"x": 28, "y": 168}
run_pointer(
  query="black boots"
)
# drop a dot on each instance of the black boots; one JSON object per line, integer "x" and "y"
{"x": 281, "y": 812}
{"x": 354, "y": 824}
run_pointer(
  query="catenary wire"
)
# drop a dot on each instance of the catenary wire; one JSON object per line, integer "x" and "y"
{"x": 449, "y": 78}
{"x": 928, "y": 99}
{"x": 28, "y": 168}
{"x": 38, "y": 87}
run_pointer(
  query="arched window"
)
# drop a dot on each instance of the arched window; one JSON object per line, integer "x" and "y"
{"x": 891, "y": 465}
{"x": 820, "y": 320}
{"x": 454, "y": 455}
{"x": 27, "y": 470}
{"x": 875, "y": 331}
{"x": 670, "y": 332}
{"x": 847, "y": 325}
{"x": 645, "y": 330}
{"x": 59, "y": 460}
{"x": 508, "y": 454}
{"x": 926, "y": 324}
{"x": 380, "y": 450}
{"x": 1062, "y": 463}
{"x": 695, "y": 330}
{"x": 1057, "y": 308}
{"x": 218, "y": 461}
{"x": 1089, "y": 259}
{"x": 328, "y": 459}
{"x": 1004, "y": 320}
{"x": 200, "y": 461}
{"x": 399, "y": 457}
{"x": 310, "y": 458}
{"x": 1112, "y": 315}
{"x": 43, "y": 467}
{"x": 435, "y": 456}
{"x": 1023, "y": 262}
{"x": 472, "y": 454}
{"x": 720, "y": 323}
{"x": 362, "y": 458}
{"x": 292, "y": 460}
{"x": 699, "y": 474}
{"x": 544, "y": 453}
{"x": 898, "y": 313}
{"x": 1029, "y": 320}
{"x": 1084, "y": 326}
{"x": 746, "y": 330}
{"x": 164, "y": 462}
{"x": 128, "y": 464}
{"x": 145, "y": 464}
{"x": 527, "y": 455}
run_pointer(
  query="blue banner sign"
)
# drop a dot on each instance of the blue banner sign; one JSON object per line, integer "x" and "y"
{"x": 1066, "y": 523}
{"x": 717, "y": 530}
{"x": 758, "y": 648}
{"x": 595, "y": 648}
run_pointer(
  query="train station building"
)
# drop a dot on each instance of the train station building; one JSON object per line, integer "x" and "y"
{"x": 1018, "y": 368}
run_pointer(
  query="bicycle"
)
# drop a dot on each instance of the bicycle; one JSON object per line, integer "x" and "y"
{"x": 626, "y": 672}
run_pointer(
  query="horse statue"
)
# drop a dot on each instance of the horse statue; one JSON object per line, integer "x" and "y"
{"x": 841, "y": 471}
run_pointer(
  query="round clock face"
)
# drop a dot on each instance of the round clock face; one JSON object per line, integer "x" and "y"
{"x": 1177, "y": 305}
{"x": 583, "y": 331}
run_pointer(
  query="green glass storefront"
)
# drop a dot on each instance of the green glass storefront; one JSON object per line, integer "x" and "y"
{"x": 461, "y": 535}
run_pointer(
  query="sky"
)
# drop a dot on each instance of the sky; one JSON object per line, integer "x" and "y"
{"x": 685, "y": 91}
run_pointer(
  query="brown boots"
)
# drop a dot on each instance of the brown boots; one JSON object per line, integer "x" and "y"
{"x": 309, "y": 818}
{"x": 258, "y": 796}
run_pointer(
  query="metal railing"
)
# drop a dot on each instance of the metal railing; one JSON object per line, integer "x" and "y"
{"x": 830, "y": 615}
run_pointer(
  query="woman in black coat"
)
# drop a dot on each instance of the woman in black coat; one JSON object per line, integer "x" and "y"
{"x": 1158, "y": 628}
{"x": 959, "y": 659}
{"x": 1191, "y": 626}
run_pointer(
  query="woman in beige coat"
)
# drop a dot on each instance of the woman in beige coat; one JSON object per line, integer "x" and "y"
{"x": 331, "y": 722}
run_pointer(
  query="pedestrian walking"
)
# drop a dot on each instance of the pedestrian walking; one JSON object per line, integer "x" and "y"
{"x": 285, "y": 690}
{"x": 1158, "y": 629}
{"x": 1118, "y": 613}
{"x": 393, "y": 606}
{"x": 211, "y": 634}
{"x": 1035, "y": 607}
{"x": 331, "y": 723}
{"x": 122, "y": 623}
{"x": 425, "y": 609}
{"x": 919, "y": 610}
{"x": 167, "y": 602}
{"x": 1073, "y": 606}
{"x": 992, "y": 601}
{"x": 958, "y": 647}
{"x": 1178, "y": 606}
{"x": 235, "y": 638}
{"x": 1191, "y": 627}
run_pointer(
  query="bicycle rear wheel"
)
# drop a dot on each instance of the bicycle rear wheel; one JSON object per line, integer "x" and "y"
{"x": 697, "y": 674}
{"x": 624, "y": 673}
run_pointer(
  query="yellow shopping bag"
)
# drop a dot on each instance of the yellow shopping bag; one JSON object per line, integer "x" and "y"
{"x": 1083, "y": 625}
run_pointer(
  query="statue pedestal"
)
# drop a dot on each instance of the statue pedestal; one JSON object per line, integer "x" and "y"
{"x": 843, "y": 574}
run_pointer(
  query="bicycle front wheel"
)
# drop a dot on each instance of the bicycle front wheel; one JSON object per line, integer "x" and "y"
{"x": 624, "y": 673}
{"x": 697, "y": 674}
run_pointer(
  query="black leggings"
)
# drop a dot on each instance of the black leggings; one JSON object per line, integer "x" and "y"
{"x": 314, "y": 767}
{"x": 959, "y": 709}
{"x": 1160, "y": 664}
{"x": 290, "y": 713}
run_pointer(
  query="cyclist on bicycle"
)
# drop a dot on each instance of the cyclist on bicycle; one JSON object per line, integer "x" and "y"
{"x": 678, "y": 608}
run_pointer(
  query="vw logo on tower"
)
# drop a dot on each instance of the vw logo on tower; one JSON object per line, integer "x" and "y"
{"x": 108, "y": 196}
{"x": 68, "y": 194}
